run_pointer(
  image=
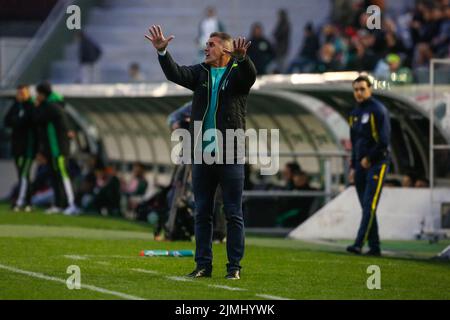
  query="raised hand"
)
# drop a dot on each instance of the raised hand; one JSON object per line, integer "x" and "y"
{"x": 156, "y": 37}
{"x": 239, "y": 48}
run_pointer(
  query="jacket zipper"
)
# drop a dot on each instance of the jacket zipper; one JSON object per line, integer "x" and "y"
{"x": 204, "y": 114}
{"x": 222, "y": 81}
{"x": 217, "y": 103}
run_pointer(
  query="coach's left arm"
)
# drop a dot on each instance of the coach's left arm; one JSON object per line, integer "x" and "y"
{"x": 246, "y": 69}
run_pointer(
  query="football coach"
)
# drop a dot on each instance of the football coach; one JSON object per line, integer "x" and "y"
{"x": 221, "y": 85}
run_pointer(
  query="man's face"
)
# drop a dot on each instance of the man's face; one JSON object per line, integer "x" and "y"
{"x": 22, "y": 94}
{"x": 287, "y": 173}
{"x": 300, "y": 180}
{"x": 40, "y": 98}
{"x": 394, "y": 66}
{"x": 407, "y": 182}
{"x": 210, "y": 12}
{"x": 257, "y": 32}
{"x": 214, "y": 50}
{"x": 361, "y": 91}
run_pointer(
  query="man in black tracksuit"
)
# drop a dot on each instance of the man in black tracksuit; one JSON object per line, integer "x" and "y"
{"x": 370, "y": 132}
{"x": 52, "y": 122}
{"x": 221, "y": 85}
{"x": 23, "y": 143}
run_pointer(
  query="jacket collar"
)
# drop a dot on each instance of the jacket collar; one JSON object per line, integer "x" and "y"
{"x": 229, "y": 65}
{"x": 365, "y": 103}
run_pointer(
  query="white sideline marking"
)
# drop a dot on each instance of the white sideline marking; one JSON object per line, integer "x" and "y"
{"x": 84, "y": 286}
{"x": 103, "y": 263}
{"x": 75, "y": 257}
{"x": 178, "y": 278}
{"x": 217, "y": 286}
{"x": 144, "y": 270}
{"x": 268, "y": 296}
{"x": 226, "y": 287}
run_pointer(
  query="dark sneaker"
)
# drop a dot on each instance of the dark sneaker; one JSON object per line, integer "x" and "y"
{"x": 354, "y": 249}
{"x": 374, "y": 253}
{"x": 233, "y": 275}
{"x": 200, "y": 273}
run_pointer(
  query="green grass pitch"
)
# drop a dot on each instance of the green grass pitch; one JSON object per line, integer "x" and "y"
{"x": 36, "y": 250}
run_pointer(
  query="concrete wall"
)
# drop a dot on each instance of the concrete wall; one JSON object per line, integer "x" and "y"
{"x": 400, "y": 214}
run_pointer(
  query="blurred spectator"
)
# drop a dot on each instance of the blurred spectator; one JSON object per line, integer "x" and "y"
{"x": 137, "y": 186}
{"x": 301, "y": 181}
{"x": 307, "y": 57}
{"x": 181, "y": 117}
{"x": 208, "y": 25}
{"x": 288, "y": 174}
{"x": 415, "y": 35}
{"x": 260, "y": 51}
{"x": 421, "y": 61}
{"x": 391, "y": 39}
{"x": 327, "y": 59}
{"x": 105, "y": 197}
{"x": 88, "y": 183}
{"x": 88, "y": 55}
{"x": 135, "y": 189}
{"x": 342, "y": 11}
{"x": 441, "y": 42}
{"x": 135, "y": 74}
{"x": 408, "y": 180}
{"x": 422, "y": 183}
{"x": 362, "y": 57}
{"x": 281, "y": 34}
{"x": 296, "y": 210}
{"x": 390, "y": 69}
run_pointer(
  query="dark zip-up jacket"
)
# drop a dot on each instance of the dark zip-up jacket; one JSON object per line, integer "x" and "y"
{"x": 234, "y": 87}
{"x": 23, "y": 137}
{"x": 370, "y": 132}
{"x": 51, "y": 120}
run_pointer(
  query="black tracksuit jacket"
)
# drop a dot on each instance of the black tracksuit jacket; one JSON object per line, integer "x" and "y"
{"x": 370, "y": 132}
{"x": 51, "y": 120}
{"x": 23, "y": 137}
{"x": 234, "y": 87}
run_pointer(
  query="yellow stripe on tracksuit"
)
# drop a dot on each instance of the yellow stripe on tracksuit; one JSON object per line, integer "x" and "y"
{"x": 375, "y": 200}
{"x": 374, "y": 128}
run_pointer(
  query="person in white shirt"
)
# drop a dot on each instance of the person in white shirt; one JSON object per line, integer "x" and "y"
{"x": 208, "y": 25}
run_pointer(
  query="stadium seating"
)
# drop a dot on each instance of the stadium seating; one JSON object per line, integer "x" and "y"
{"x": 119, "y": 28}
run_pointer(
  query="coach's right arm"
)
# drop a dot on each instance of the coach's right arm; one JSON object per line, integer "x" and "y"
{"x": 182, "y": 75}
{"x": 185, "y": 76}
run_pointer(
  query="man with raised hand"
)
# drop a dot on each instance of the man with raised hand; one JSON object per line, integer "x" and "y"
{"x": 221, "y": 85}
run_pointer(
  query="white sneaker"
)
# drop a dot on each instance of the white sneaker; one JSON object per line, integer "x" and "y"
{"x": 71, "y": 211}
{"x": 28, "y": 209}
{"x": 53, "y": 210}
